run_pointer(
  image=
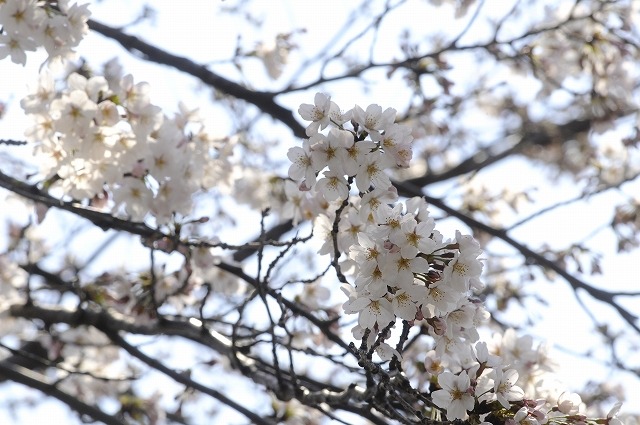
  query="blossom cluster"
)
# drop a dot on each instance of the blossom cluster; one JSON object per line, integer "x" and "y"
{"x": 102, "y": 138}
{"x": 29, "y": 24}
{"x": 402, "y": 268}
{"x": 588, "y": 50}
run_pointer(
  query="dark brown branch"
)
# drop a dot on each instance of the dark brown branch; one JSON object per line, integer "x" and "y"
{"x": 324, "y": 326}
{"x": 31, "y": 355}
{"x": 12, "y": 142}
{"x": 185, "y": 380}
{"x": 531, "y": 256}
{"x": 272, "y": 234}
{"x": 263, "y": 100}
{"x": 102, "y": 220}
{"x": 109, "y": 222}
{"x": 114, "y": 322}
{"x": 533, "y": 134}
{"x": 253, "y": 368}
{"x": 51, "y": 279}
{"x": 34, "y": 380}
{"x": 481, "y": 159}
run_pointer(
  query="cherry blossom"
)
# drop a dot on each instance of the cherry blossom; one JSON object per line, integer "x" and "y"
{"x": 372, "y": 311}
{"x": 569, "y": 403}
{"x": 401, "y": 270}
{"x": 404, "y": 302}
{"x": 414, "y": 238}
{"x": 371, "y": 172}
{"x": 439, "y": 300}
{"x": 16, "y": 47}
{"x": 461, "y": 270}
{"x": 612, "y": 418}
{"x": 456, "y": 395}
{"x": 333, "y": 185}
{"x": 28, "y": 24}
{"x": 302, "y": 164}
{"x": 331, "y": 151}
{"x": 374, "y": 119}
{"x": 274, "y": 55}
{"x": 434, "y": 366}
{"x": 19, "y": 16}
{"x": 318, "y": 113}
{"x": 396, "y": 143}
{"x": 504, "y": 387}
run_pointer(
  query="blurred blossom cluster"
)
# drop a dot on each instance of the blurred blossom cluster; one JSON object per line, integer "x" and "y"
{"x": 28, "y": 24}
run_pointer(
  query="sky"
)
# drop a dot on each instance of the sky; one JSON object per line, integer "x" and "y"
{"x": 192, "y": 29}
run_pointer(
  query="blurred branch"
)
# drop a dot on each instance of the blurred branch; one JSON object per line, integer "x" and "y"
{"x": 252, "y": 368}
{"x": 12, "y": 142}
{"x": 272, "y": 234}
{"x": 570, "y": 201}
{"x": 37, "y": 381}
{"x": 410, "y": 62}
{"x": 263, "y": 100}
{"x": 533, "y": 134}
{"x": 476, "y": 162}
{"x": 107, "y": 221}
{"x": 109, "y": 322}
{"x": 31, "y": 355}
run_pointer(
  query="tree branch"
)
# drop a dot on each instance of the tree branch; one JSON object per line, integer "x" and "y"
{"x": 31, "y": 379}
{"x": 532, "y": 134}
{"x": 184, "y": 379}
{"x": 263, "y": 100}
{"x": 531, "y": 256}
{"x": 102, "y": 220}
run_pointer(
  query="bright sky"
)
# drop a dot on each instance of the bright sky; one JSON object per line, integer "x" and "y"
{"x": 192, "y": 29}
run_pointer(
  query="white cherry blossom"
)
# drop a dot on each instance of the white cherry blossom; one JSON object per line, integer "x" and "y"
{"x": 414, "y": 238}
{"x": 333, "y": 186}
{"x": 439, "y": 299}
{"x": 372, "y": 311}
{"x": 41, "y": 97}
{"x": 16, "y": 47}
{"x": 19, "y": 16}
{"x": 455, "y": 396}
{"x": 374, "y": 119}
{"x": 404, "y": 301}
{"x": 303, "y": 165}
{"x": 505, "y": 388}
{"x": 318, "y": 113}
{"x": 397, "y": 268}
{"x": 433, "y": 364}
{"x": 371, "y": 172}
{"x": 331, "y": 151}
{"x": 387, "y": 352}
{"x": 460, "y": 270}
